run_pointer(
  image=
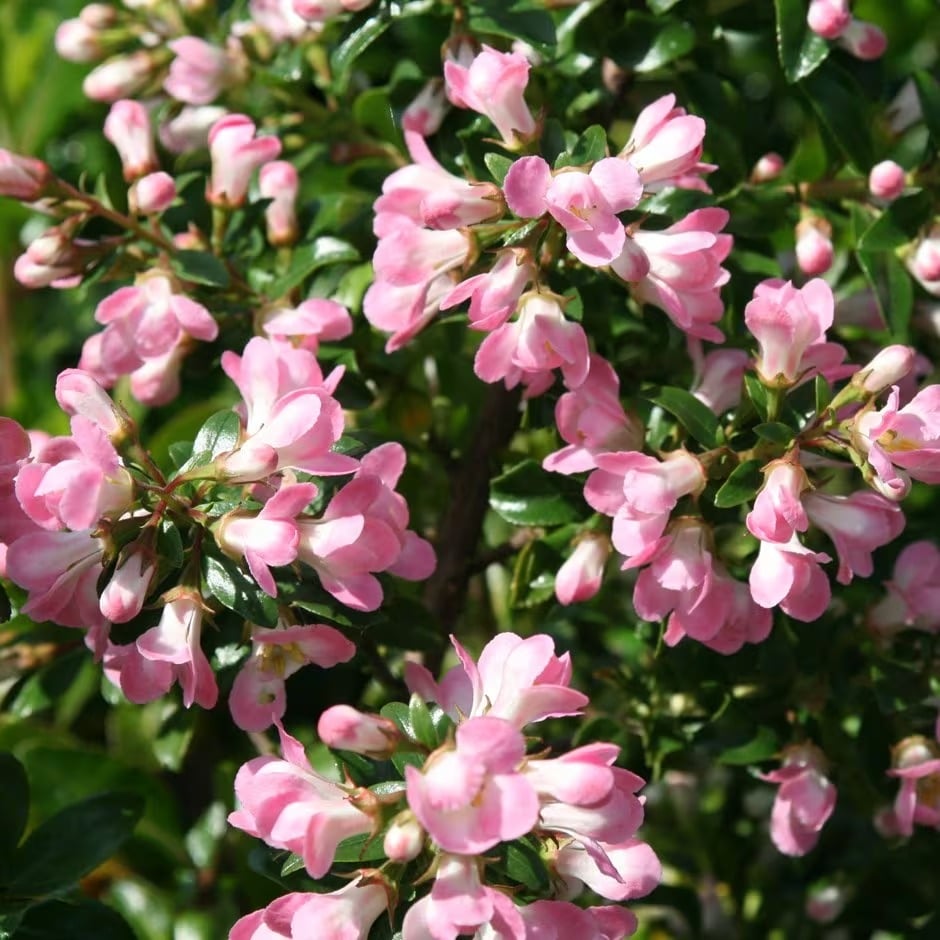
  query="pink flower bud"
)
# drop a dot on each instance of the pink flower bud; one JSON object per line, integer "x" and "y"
{"x": 79, "y": 394}
{"x": 344, "y": 728}
{"x": 925, "y": 265}
{"x": 768, "y": 167}
{"x": 279, "y": 181}
{"x": 153, "y": 193}
{"x": 127, "y": 127}
{"x": 124, "y": 595}
{"x": 579, "y": 578}
{"x": 825, "y": 904}
{"x": 404, "y": 838}
{"x": 189, "y": 130}
{"x": 886, "y": 180}
{"x": 886, "y": 369}
{"x": 864, "y": 40}
{"x": 236, "y": 153}
{"x": 425, "y": 113}
{"x": 829, "y": 18}
{"x": 76, "y": 41}
{"x": 813, "y": 245}
{"x": 98, "y": 15}
{"x": 121, "y": 77}
{"x": 23, "y": 178}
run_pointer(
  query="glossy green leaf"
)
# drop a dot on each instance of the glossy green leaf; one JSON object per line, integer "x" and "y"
{"x": 354, "y": 45}
{"x": 93, "y": 830}
{"x": 529, "y": 495}
{"x": 421, "y": 723}
{"x": 775, "y": 432}
{"x": 515, "y": 19}
{"x": 200, "y": 267}
{"x": 799, "y": 49}
{"x": 401, "y": 715}
{"x": 362, "y": 848}
{"x": 218, "y": 435}
{"x": 840, "y": 105}
{"x": 309, "y": 258}
{"x": 762, "y": 746}
{"x": 672, "y": 42}
{"x": 525, "y": 865}
{"x": 893, "y": 288}
{"x": 757, "y": 394}
{"x": 234, "y": 589}
{"x": 661, "y": 6}
{"x": 822, "y": 391}
{"x": 498, "y": 165}
{"x": 928, "y": 93}
{"x": 698, "y": 419}
{"x": 590, "y": 147}
{"x": 898, "y": 224}
{"x": 741, "y": 486}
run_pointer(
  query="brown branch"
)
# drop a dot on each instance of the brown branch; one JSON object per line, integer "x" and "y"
{"x": 462, "y": 522}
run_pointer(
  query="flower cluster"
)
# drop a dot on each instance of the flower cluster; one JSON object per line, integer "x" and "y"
{"x": 471, "y": 791}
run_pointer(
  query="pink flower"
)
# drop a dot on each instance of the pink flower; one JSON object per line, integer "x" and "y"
{"x": 23, "y": 178}
{"x": 555, "y": 920}
{"x": 123, "y": 596}
{"x": 718, "y": 379}
{"x": 493, "y": 84}
{"x": 152, "y": 194}
{"x": 887, "y": 180}
{"x": 913, "y": 598}
{"x": 534, "y": 344}
{"x": 56, "y": 258}
{"x": 140, "y": 679}
{"x": 804, "y": 801}
{"x": 829, "y": 18}
{"x": 907, "y": 437}
{"x": 864, "y": 40}
{"x": 786, "y": 322}
{"x": 857, "y": 524}
{"x": 459, "y": 903}
{"x": 640, "y": 492}
{"x": 405, "y": 310}
{"x": 778, "y": 510}
{"x": 619, "y": 871}
{"x": 814, "y": 251}
{"x": 472, "y": 796}
{"x": 679, "y": 270}
{"x": 120, "y": 77}
{"x": 278, "y": 19}
{"x": 666, "y": 144}
{"x": 236, "y": 153}
{"x": 584, "y": 204}
{"x": 580, "y": 577}
{"x": 290, "y": 806}
{"x": 308, "y": 324}
{"x": 60, "y": 572}
{"x": 348, "y": 729}
{"x": 176, "y": 640}
{"x": 917, "y": 762}
{"x": 189, "y": 130}
{"x": 15, "y": 449}
{"x": 127, "y": 126}
{"x": 345, "y": 914}
{"x": 404, "y": 838}
{"x": 200, "y": 70}
{"x": 319, "y": 11}
{"x": 280, "y": 182}
{"x": 427, "y": 110}
{"x": 258, "y": 699}
{"x": 788, "y": 574}
{"x": 77, "y": 393}
{"x": 494, "y": 295}
{"x": 888, "y": 368}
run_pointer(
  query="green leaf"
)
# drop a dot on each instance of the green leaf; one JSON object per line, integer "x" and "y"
{"x": 696, "y": 418}
{"x": 200, "y": 267}
{"x": 800, "y": 50}
{"x": 823, "y": 394}
{"x": 14, "y": 807}
{"x": 421, "y": 723}
{"x": 590, "y": 147}
{"x": 898, "y": 224}
{"x": 533, "y": 575}
{"x": 928, "y": 91}
{"x": 218, "y": 435}
{"x": 529, "y": 495}
{"x": 74, "y": 842}
{"x": 515, "y": 19}
{"x": 661, "y": 6}
{"x": 775, "y": 432}
{"x": 169, "y": 544}
{"x": 758, "y": 394}
{"x": 893, "y": 289}
{"x": 86, "y": 920}
{"x": 353, "y": 46}
{"x": 498, "y": 165}
{"x": 839, "y": 103}
{"x": 672, "y": 42}
{"x": 759, "y": 748}
{"x": 401, "y": 715}
{"x": 361, "y": 848}
{"x": 235, "y": 590}
{"x": 525, "y": 865}
{"x": 741, "y": 486}
{"x": 293, "y": 863}
{"x": 307, "y": 259}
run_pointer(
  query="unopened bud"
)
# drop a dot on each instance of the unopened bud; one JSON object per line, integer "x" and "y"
{"x": 346, "y": 729}
{"x": 404, "y": 838}
{"x": 814, "y": 250}
{"x": 767, "y": 168}
{"x": 864, "y": 40}
{"x": 76, "y": 41}
{"x": 925, "y": 265}
{"x": 121, "y": 77}
{"x": 153, "y": 193}
{"x": 886, "y": 180}
{"x": 79, "y": 394}
{"x": 124, "y": 595}
{"x": 829, "y": 18}
{"x": 825, "y": 904}
{"x": 886, "y": 369}
{"x": 279, "y": 182}
{"x": 23, "y": 178}
{"x": 127, "y": 127}
{"x": 427, "y": 111}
